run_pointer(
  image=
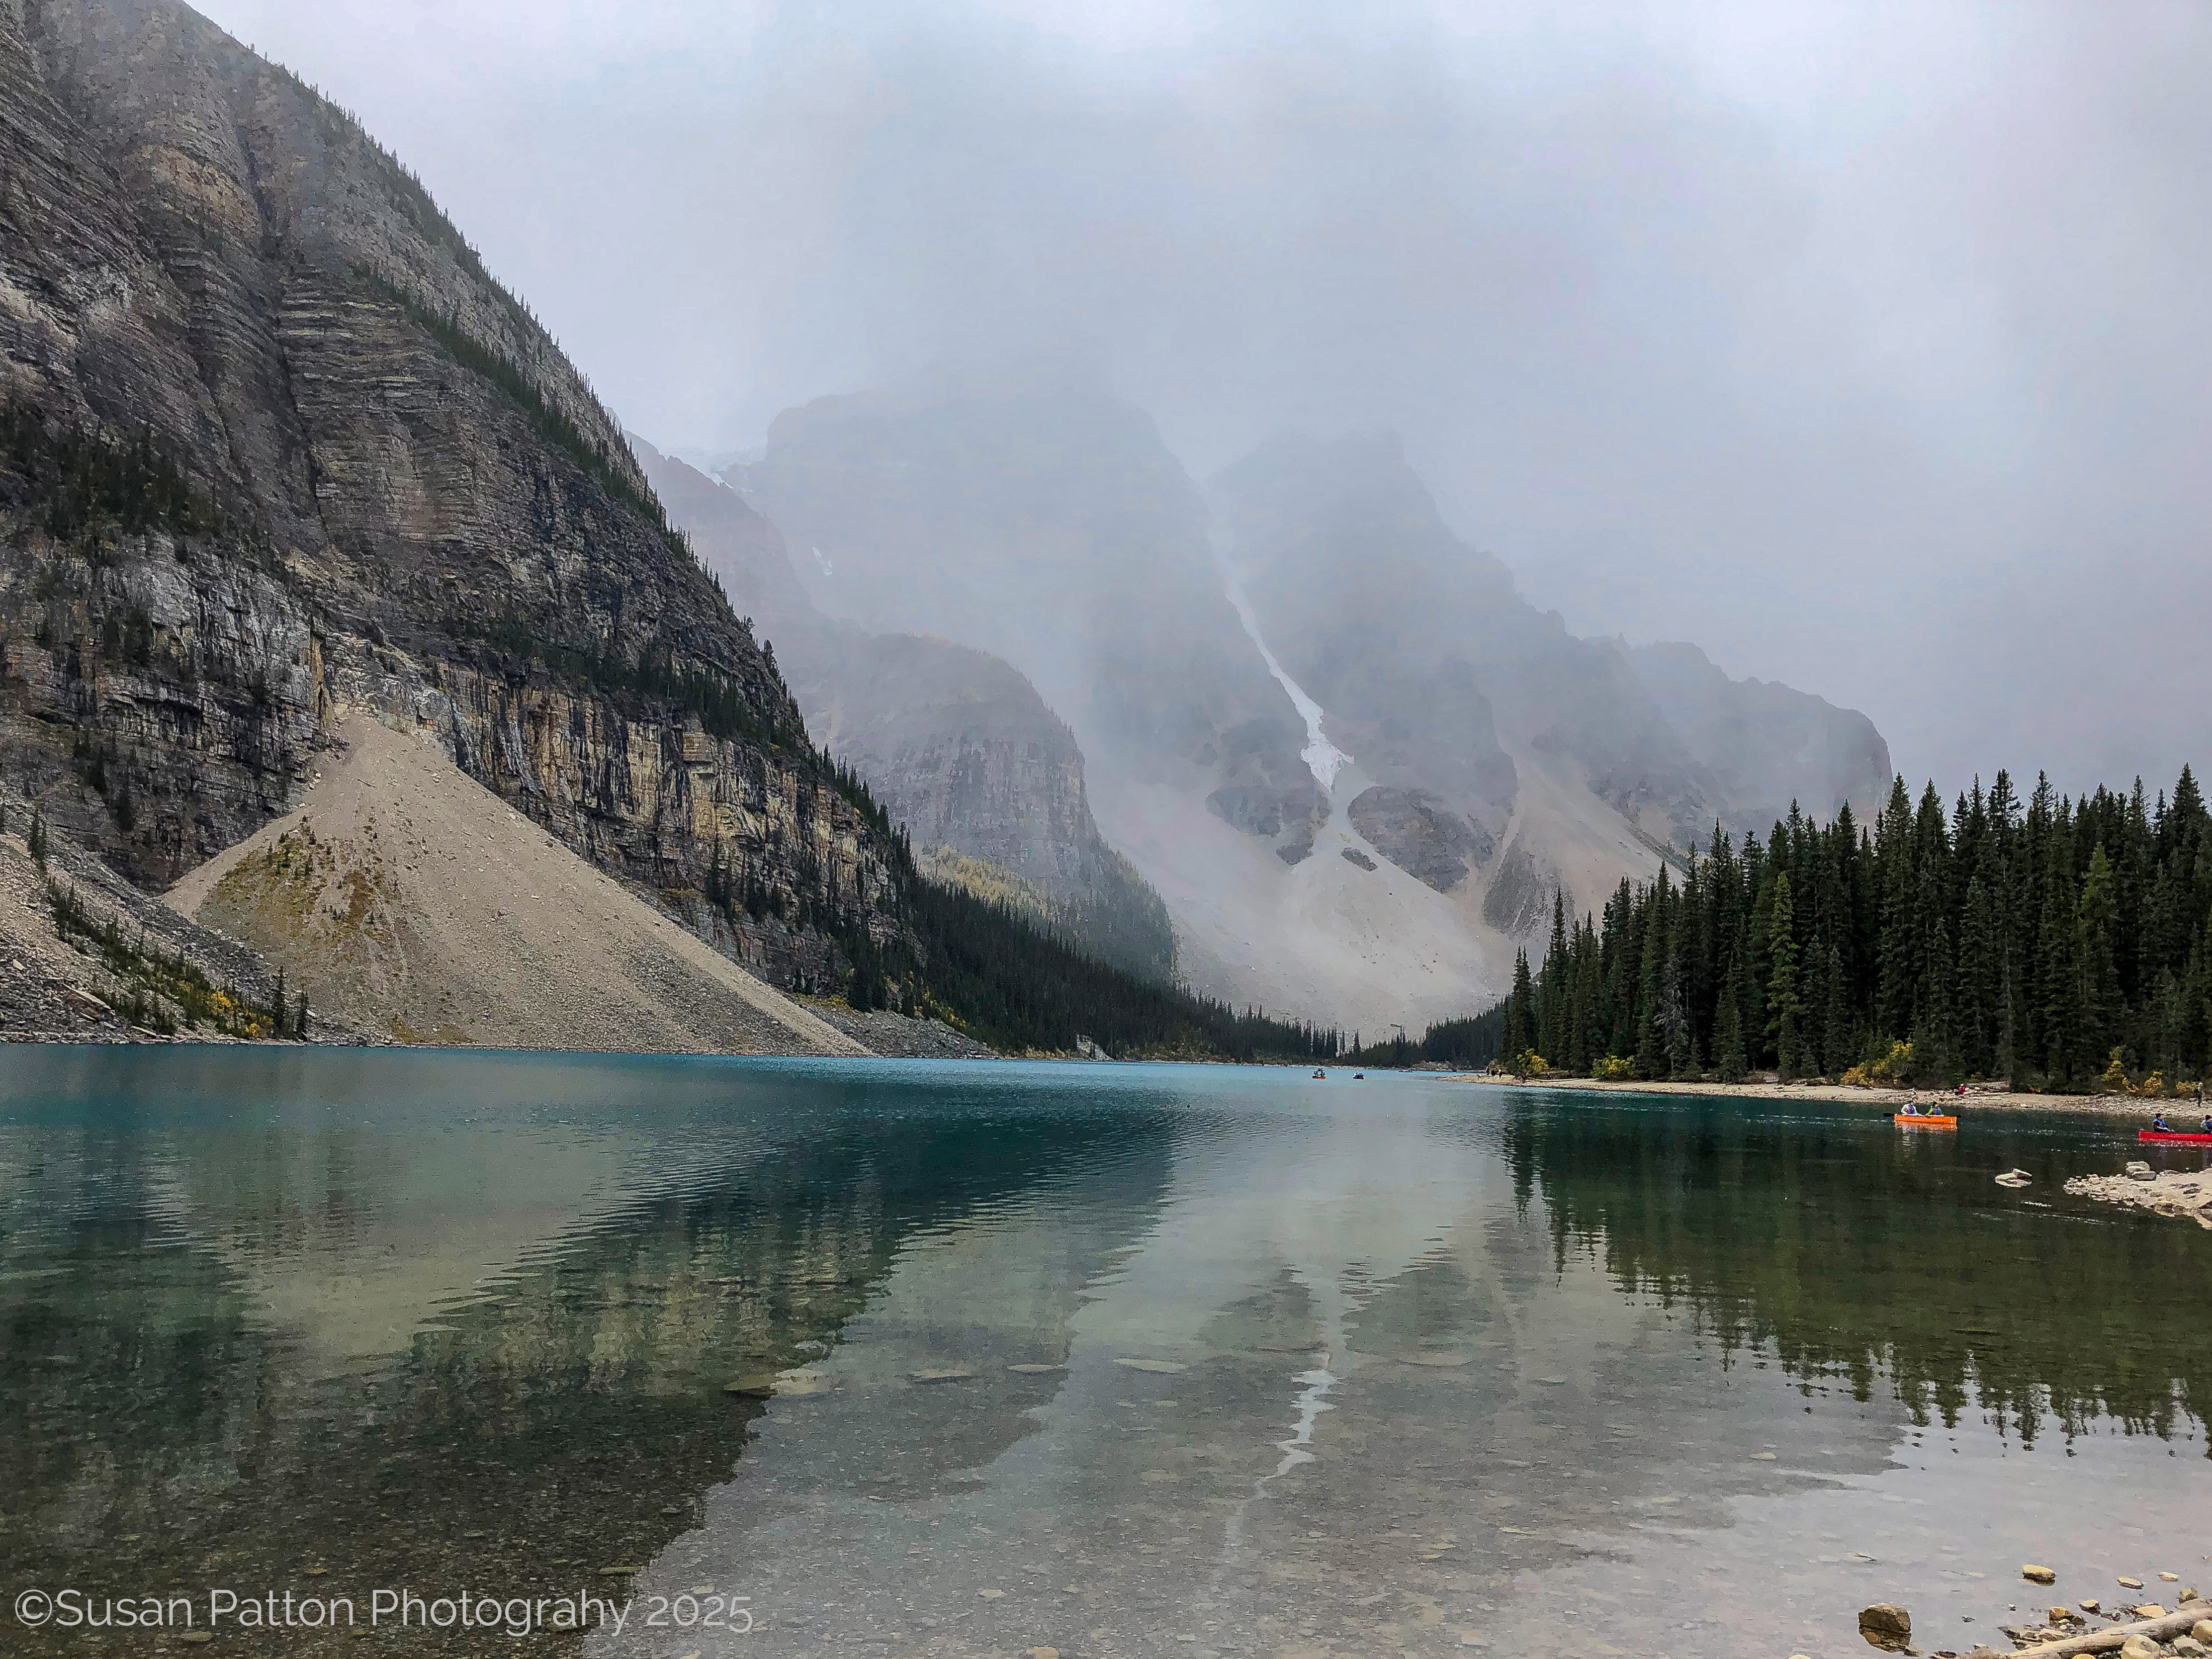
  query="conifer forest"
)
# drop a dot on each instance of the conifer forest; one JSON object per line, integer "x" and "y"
{"x": 2061, "y": 944}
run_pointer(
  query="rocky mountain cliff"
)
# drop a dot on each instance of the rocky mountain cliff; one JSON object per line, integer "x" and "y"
{"x": 1354, "y": 761}
{"x": 987, "y": 782}
{"x": 276, "y": 443}
{"x": 1436, "y": 672}
{"x": 1044, "y": 521}
{"x": 1767, "y": 747}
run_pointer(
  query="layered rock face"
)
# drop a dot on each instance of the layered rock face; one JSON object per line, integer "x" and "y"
{"x": 395, "y": 491}
{"x": 956, "y": 744}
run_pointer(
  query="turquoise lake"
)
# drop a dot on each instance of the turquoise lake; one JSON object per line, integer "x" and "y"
{"x": 1115, "y": 1359}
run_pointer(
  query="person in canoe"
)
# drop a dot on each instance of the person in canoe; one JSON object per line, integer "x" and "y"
{"x": 2158, "y": 1124}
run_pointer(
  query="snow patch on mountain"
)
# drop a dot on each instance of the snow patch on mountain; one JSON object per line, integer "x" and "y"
{"x": 1325, "y": 759}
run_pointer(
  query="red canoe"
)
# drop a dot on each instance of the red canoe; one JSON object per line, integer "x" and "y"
{"x": 2187, "y": 1137}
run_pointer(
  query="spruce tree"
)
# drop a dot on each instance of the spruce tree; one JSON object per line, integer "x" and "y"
{"x": 1934, "y": 1039}
{"x": 2058, "y": 1000}
{"x": 1784, "y": 1004}
{"x": 1554, "y": 993}
{"x": 1520, "y": 1013}
{"x": 1730, "y": 1057}
{"x": 1981, "y": 969}
{"x": 2099, "y": 1004}
{"x": 1651, "y": 1046}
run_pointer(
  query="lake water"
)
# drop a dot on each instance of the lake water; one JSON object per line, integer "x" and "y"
{"x": 1113, "y": 1360}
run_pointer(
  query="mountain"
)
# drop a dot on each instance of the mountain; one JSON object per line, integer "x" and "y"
{"x": 277, "y": 454}
{"x": 1439, "y": 673}
{"x": 277, "y": 457}
{"x": 1767, "y": 747}
{"x": 988, "y": 783}
{"x": 277, "y": 444}
{"x": 1354, "y": 761}
{"x": 1043, "y": 521}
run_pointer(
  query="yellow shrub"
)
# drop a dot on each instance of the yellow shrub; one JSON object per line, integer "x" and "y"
{"x": 1856, "y": 1077}
{"x": 1613, "y": 1069}
{"x": 1895, "y": 1067}
{"x": 2115, "y": 1080}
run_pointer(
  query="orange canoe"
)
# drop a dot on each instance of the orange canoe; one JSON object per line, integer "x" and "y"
{"x": 1919, "y": 1121}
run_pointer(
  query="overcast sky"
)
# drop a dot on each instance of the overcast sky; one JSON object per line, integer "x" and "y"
{"x": 1868, "y": 347}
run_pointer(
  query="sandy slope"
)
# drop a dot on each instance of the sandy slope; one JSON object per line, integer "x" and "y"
{"x": 406, "y": 896}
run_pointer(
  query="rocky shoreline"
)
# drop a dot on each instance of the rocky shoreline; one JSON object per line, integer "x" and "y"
{"x": 1854, "y": 1094}
{"x": 2177, "y": 1193}
{"x": 2133, "y": 1627}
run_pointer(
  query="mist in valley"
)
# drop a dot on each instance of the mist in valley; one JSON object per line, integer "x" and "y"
{"x": 1859, "y": 347}
{"x": 1620, "y": 427}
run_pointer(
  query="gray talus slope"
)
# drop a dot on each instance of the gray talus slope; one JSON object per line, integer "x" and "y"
{"x": 403, "y": 896}
{"x": 988, "y": 783}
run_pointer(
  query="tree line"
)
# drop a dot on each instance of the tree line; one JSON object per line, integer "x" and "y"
{"x": 2059, "y": 943}
{"x": 1015, "y": 984}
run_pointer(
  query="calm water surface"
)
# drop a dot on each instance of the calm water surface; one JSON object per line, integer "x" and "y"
{"x": 1114, "y": 1359}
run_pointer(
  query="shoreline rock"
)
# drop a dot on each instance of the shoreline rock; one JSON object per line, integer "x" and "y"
{"x": 1888, "y": 1098}
{"x": 2175, "y": 1193}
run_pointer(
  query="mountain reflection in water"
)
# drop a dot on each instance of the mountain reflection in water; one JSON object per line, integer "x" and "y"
{"x": 1574, "y": 1372}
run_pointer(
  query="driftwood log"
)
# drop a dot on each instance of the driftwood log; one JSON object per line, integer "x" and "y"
{"x": 2113, "y": 1638}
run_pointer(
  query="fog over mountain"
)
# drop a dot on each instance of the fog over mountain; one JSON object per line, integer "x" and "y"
{"x": 1861, "y": 345}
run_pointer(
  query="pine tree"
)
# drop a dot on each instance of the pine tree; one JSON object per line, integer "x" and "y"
{"x": 1981, "y": 972}
{"x": 2099, "y": 1003}
{"x": 1674, "y": 1022}
{"x": 1555, "y": 989}
{"x": 1896, "y": 966}
{"x": 1520, "y": 1013}
{"x": 2006, "y": 1063}
{"x": 1730, "y": 1057}
{"x": 1837, "y": 1036}
{"x": 2058, "y": 1000}
{"x": 2026, "y": 939}
{"x": 1934, "y": 1040}
{"x": 1784, "y": 1004}
{"x": 1651, "y": 1045}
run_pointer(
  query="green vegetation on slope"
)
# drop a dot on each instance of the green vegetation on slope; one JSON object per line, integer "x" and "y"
{"x": 80, "y": 487}
{"x": 2062, "y": 943}
{"x": 1127, "y": 926}
{"x": 1010, "y": 981}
